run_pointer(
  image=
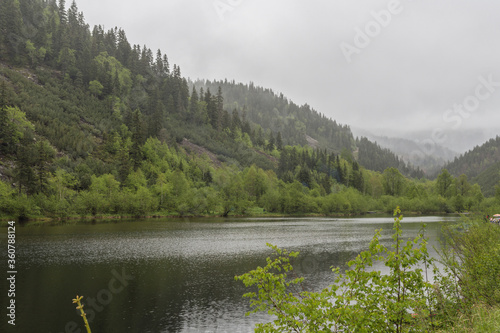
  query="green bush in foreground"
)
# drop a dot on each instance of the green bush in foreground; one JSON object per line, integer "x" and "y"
{"x": 471, "y": 259}
{"x": 464, "y": 296}
{"x": 359, "y": 301}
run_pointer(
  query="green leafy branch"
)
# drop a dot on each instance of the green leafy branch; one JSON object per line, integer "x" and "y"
{"x": 360, "y": 300}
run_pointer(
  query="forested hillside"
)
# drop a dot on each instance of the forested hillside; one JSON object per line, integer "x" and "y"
{"x": 91, "y": 125}
{"x": 272, "y": 114}
{"x": 480, "y": 164}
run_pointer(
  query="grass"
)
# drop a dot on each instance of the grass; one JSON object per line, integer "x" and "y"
{"x": 482, "y": 319}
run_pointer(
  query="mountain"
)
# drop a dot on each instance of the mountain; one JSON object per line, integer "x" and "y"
{"x": 90, "y": 124}
{"x": 424, "y": 154}
{"x": 271, "y": 113}
{"x": 68, "y": 78}
{"x": 480, "y": 164}
{"x": 457, "y": 140}
{"x": 488, "y": 179}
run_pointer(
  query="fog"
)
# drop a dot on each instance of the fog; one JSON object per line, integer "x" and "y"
{"x": 391, "y": 67}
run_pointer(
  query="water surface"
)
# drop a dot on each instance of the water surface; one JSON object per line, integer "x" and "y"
{"x": 167, "y": 275}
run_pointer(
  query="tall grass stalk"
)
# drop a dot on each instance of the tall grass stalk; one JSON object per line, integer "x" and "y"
{"x": 77, "y": 300}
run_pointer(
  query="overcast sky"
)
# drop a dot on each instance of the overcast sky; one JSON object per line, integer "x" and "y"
{"x": 410, "y": 64}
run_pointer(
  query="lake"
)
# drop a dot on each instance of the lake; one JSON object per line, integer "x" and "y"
{"x": 172, "y": 275}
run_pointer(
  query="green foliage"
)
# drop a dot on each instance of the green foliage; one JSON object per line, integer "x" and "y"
{"x": 62, "y": 182}
{"x": 7, "y": 201}
{"x": 444, "y": 184}
{"x": 123, "y": 125}
{"x": 466, "y": 288}
{"x": 16, "y": 120}
{"x": 394, "y": 182}
{"x": 474, "y": 259}
{"x": 95, "y": 88}
{"x": 361, "y": 300}
{"x": 113, "y": 73}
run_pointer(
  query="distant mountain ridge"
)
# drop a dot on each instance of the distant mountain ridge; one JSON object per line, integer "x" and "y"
{"x": 428, "y": 156}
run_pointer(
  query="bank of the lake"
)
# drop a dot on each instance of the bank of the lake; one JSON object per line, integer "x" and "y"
{"x": 256, "y": 213}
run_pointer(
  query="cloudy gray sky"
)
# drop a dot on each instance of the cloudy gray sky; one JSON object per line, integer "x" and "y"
{"x": 378, "y": 64}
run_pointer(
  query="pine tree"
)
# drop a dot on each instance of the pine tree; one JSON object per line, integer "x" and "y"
{"x": 166, "y": 66}
{"x": 283, "y": 163}
{"x": 156, "y": 120}
{"x": 219, "y": 110}
{"x": 270, "y": 144}
{"x": 211, "y": 107}
{"x": 159, "y": 67}
{"x": 170, "y": 106}
{"x": 41, "y": 161}
{"x": 24, "y": 173}
{"x": 235, "y": 120}
{"x": 193, "y": 105}
{"x": 63, "y": 17}
{"x": 326, "y": 183}
{"x": 245, "y": 125}
{"x": 226, "y": 120}
{"x": 12, "y": 39}
{"x": 279, "y": 142}
{"x": 124, "y": 164}
{"x": 123, "y": 49}
{"x": 137, "y": 138}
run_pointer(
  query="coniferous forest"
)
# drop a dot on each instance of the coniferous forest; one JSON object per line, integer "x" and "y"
{"x": 91, "y": 125}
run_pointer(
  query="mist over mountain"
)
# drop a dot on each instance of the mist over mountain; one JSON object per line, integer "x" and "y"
{"x": 425, "y": 154}
{"x": 457, "y": 140}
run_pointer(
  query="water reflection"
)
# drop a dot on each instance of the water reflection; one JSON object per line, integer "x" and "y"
{"x": 171, "y": 275}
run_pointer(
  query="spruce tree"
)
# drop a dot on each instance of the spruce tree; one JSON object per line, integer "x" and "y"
{"x": 42, "y": 159}
{"x": 270, "y": 144}
{"x": 25, "y": 162}
{"x": 137, "y": 138}
{"x": 159, "y": 67}
{"x": 166, "y": 66}
{"x": 193, "y": 104}
{"x": 279, "y": 142}
{"x": 123, "y": 50}
{"x": 219, "y": 110}
{"x": 11, "y": 30}
{"x": 235, "y": 120}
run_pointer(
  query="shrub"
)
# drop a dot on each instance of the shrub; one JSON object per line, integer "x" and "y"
{"x": 472, "y": 256}
{"x": 361, "y": 300}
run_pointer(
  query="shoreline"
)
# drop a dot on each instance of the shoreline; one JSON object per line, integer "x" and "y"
{"x": 47, "y": 219}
